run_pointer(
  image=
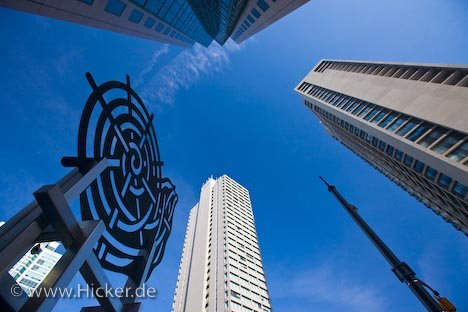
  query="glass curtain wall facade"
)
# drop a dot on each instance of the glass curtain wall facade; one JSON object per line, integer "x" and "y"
{"x": 179, "y": 22}
{"x": 407, "y": 120}
{"x": 221, "y": 267}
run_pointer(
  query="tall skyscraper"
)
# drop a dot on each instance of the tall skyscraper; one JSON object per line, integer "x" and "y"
{"x": 221, "y": 267}
{"x": 181, "y": 22}
{"x": 31, "y": 269}
{"x": 409, "y": 121}
{"x": 260, "y": 14}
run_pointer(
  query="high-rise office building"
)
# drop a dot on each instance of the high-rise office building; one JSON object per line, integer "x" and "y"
{"x": 409, "y": 121}
{"x": 260, "y": 14}
{"x": 31, "y": 269}
{"x": 181, "y": 22}
{"x": 170, "y": 21}
{"x": 221, "y": 267}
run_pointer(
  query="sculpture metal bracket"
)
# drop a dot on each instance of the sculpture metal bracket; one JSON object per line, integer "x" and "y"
{"x": 126, "y": 204}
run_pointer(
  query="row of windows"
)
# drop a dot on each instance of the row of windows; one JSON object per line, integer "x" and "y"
{"x": 255, "y": 13}
{"x": 117, "y": 7}
{"x": 444, "y": 181}
{"x": 450, "y": 143}
{"x": 447, "y": 76}
{"x": 443, "y": 203}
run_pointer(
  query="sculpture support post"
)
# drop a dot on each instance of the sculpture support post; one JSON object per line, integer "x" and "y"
{"x": 50, "y": 218}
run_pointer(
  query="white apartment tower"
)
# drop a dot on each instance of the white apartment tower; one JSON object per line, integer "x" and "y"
{"x": 409, "y": 121}
{"x": 221, "y": 267}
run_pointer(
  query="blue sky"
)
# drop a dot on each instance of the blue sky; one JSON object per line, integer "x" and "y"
{"x": 233, "y": 110}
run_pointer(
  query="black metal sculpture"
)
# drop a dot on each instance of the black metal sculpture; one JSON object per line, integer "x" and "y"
{"x": 127, "y": 205}
{"x": 132, "y": 198}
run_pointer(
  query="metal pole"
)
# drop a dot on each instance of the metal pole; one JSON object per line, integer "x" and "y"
{"x": 402, "y": 270}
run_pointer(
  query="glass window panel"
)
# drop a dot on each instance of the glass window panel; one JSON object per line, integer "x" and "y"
{"x": 431, "y": 173}
{"x": 263, "y": 5}
{"x": 400, "y": 120}
{"x": 375, "y": 141}
{"x": 115, "y": 7}
{"x": 380, "y": 116}
{"x": 356, "y": 131}
{"x": 398, "y": 155}
{"x": 420, "y": 130}
{"x": 460, "y": 189}
{"x": 408, "y": 160}
{"x": 348, "y": 104}
{"x": 373, "y": 112}
{"x": 159, "y": 27}
{"x": 444, "y": 181}
{"x": 408, "y": 126}
{"x": 448, "y": 142}
{"x": 255, "y": 13}
{"x": 149, "y": 22}
{"x": 344, "y": 102}
{"x": 358, "y": 109}
{"x": 353, "y": 106}
{"x": 135, "y": 16}
{"x": 336, "y": 100}
{"x": 382, "y": 146}
{"x": 363, "y": 134}
{"x": 432, "y": 136}
{"x": 387, "y": 120}
{"x": 351, "y": 128}
{"x": 90, "y": 2}
{"x": 365, "y": 110}
{"x": 251, "y": 19}
{"x": 390, "y": 150}
{"x": 460, "y": 152}
{"x": 418, "y": 166}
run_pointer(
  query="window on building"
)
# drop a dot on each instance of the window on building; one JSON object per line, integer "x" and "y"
{"x": 90, "y": 2}
{"x": 398, "y": 155}
{"x": 418, "y": 166}
{"x": 390, "y": 150}
{"x": 382, "y": 145}
{"x": 408, "y": 126}
{"x": 380, "y": 116}
{"x": 365, "y": 110}
{"x": 372, "y": 113}
{"x": 255, "y": 13}
{"x": 432, "y": 136}
{"x": 263, "y": 5}
{"x": 387, "y": 120}
{"x": 375, "y": 141}
{"x": 448, "y": 142}
{"x": 459, "y": 153}
{"x": 398, "y": 122}
{"x": 444, "y": 181}
{"x": 149, "y": 22}
{"x": 135, "y": 16}
{"x": 160, "y": 27}
{"x": 115, "y": 7}
{"x": 460, "y": 189}
{"x": 408, "y": 160}
{"x": 419, "y": 131}
{"x": 431, "y": 173}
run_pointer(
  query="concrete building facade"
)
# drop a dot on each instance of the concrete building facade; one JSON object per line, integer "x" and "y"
{"x": 221, "y": 267}
{"x": 409, "y": 121}
{"x": 179, "y": 22}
